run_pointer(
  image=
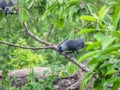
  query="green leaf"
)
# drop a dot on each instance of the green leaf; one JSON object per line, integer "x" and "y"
{"x": 111, "y": 80}
{"x": 93, "y": 45}
{"x": 116, "y": 85}
{"x": 71, "y": 70}
{"x": 97, "y": 59}
{"x": 89, "y": 54}
{"x": 29, "y": 86}
{"x": 23, "y": 15}
{"x": 86, "y": 30}
{"x": 93, "y": 62}
{"x": 111, "y": 71}
{"x": 103, "y": 11}
{"x": 110, "y": 49}
{"x": 61, "y": 23}
{"x": 106, "y": 41}
{"x": 117, "y": 64}
{"x": 116, "y": 17}
{"x": 99, "y": 36}
{"x": 86, "y": 80}
{"x": 30, "y": 4}
{"x": 106, "y": 65}
{"x": 1, "y": 16}
{"x": 71, "y": 36}
{"x": 116, "y": 33}
{"x": 88, "y": 18}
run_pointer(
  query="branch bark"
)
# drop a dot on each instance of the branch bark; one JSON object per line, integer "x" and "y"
{"x": 25, "y": 47}
{"x": 33, "y": 36}
{"x": 50, "y": 31}
{"x": 72, "y": 59}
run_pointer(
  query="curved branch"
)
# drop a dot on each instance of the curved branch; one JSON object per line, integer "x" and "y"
{"x": 25, "y": 47}
{"x": 72, "y": 59}
{"x": 33, "y": 36}
{"x": 80, "y": 65}
{"x": 50, "y": 31}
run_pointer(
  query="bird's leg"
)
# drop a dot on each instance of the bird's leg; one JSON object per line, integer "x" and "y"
{"x": 69, "y": 53}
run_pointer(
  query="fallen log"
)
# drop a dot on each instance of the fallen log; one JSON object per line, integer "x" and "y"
{"x": 21, "y": 75}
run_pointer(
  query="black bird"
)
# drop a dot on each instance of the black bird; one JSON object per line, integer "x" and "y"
{"x": 7, "y": 6}
{"x": 71, "y": 45}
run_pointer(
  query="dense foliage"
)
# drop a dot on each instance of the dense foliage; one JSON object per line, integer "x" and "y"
{"x": 97, "y": 22}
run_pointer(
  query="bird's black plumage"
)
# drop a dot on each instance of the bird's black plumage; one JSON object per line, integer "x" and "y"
{"x": 6, "y": 5}
{"x": 71, "y": 45}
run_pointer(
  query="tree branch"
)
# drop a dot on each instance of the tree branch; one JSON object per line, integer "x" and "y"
{"x": 50, "y": 31}
{"x": 25, "y": 47}
{"x": 72, "y": 59}
{"x": 33, "y": 36}
{"x": 80, "y": 65}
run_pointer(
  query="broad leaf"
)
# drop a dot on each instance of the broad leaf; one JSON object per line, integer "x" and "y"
{"x": 93, "y": 45}
{"x": 86, "y": 30}
{"x": 103, "y": 11}
{"x": 110, "y": 49}
{"x": 111, "y": 80}
{"x": 116, "y": 17}
{"x": 88, "y": 18}
{"x": 89, "y": 54}
{"x": 86, "y": 80}
{"x": 99, "y": 36}
{"x": 106, "y": 41}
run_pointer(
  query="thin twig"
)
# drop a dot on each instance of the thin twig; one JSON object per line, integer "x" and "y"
{"x": 33, "y": 36}
{"x": 50, "y": 31}
{"x": 25, "y": 47}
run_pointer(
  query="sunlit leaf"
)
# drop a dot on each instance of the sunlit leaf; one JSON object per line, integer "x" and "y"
{"x": 117, "y": 64}
{"x": 112, "y": 71}
{"x": 106, "y": 41}
{"x": 106, "y": 65}
{"x": 23, "y": 15}
{"x": 99, "y": 36}
{"x": 89, "y": 54}
{"x": 88, "y": 18}
{"x": 86, "y": 30}
{"x": 86, "y": 80}
{"x": 116, "y": 17}
{"x": 98, "y": 59}
{"x": 111, "y": 80}
{"x": 110, "y": 49}
{"x": 103, "y": 11}
{"x": 93, "y": 45}
{"x": 116, "y": 85}
{"x": 61, "y": 23}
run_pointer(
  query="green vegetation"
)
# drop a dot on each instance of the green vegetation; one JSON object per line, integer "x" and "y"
{"x": 97, "y": 21}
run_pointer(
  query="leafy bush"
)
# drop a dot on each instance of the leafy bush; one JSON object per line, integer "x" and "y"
{"x": 103, "y": 50}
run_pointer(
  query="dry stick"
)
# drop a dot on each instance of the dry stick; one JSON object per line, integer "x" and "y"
{"x": 33, "y": 36}
{"x": 50, "y": 31}
{"x": 72, "y": 59}
{"x": 25, "y": 47}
